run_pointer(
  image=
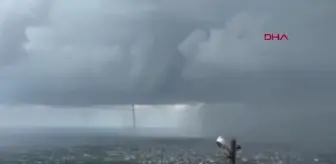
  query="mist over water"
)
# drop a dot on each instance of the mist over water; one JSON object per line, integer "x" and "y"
{"x": 193, "y": 120}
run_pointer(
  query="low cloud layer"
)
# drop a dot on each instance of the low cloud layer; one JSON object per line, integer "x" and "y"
{"x": 208, "y": 120}
{"x": 118, "y": 116}
{"x": 152, "y": 120}
{"x": 121, "y": 52}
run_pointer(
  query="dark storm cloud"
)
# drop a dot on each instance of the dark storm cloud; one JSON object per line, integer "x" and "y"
{"x": 14, "y": 22}
{"x": 121, "y": 52}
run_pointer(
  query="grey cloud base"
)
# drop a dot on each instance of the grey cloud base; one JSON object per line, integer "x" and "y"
{"x": 122, "y": 52}
{"x": 271, "y": 88}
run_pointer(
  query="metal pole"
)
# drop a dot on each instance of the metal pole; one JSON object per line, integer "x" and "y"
{"x": 233, "y": 151}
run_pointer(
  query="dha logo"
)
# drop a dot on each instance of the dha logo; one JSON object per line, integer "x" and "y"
{"x": 275, "y": 36}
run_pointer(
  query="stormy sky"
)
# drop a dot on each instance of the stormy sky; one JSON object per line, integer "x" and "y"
{"x": 80, "y": 54}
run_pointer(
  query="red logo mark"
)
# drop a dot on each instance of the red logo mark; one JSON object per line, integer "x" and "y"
{"x": 275, "y": 36}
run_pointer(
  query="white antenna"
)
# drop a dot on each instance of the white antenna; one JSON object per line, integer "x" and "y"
{"x": 133, "y": 112}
